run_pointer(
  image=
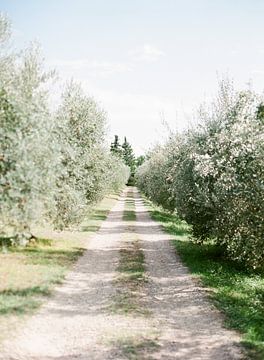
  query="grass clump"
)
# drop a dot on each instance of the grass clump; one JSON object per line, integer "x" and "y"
{"x": 138, "y": 348}
{"x": 237, "y": 292}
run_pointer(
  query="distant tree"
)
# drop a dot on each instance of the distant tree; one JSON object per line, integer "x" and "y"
{"x": 116, "y": 148}
{"x": 128, "y": 155}
{"x": 139, "y": 160}
{"x": 260, "y": 112}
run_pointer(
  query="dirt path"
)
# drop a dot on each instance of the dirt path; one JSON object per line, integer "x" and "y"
{"x": 191, "y": 328}
{"x": 85, "y": 319}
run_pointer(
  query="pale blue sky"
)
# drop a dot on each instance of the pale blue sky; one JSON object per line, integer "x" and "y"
{"x": 141, "y": 58}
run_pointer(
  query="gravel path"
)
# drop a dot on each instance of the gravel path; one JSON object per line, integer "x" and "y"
{"x": 78, "y": 322}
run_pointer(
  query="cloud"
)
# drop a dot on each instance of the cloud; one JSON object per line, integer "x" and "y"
{"x": 257, "y": 72}
{"x": 147, "y": 53}
{"x": 94, "y": 68}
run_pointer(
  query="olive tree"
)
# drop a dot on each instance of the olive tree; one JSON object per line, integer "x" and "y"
{"x": 213, "y": 174}
{"x": 26, "y": 149}
{"x": 87, "y": 170}
{"x": 52, "y": 165}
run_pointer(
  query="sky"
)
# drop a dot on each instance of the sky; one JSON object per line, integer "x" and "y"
{"x": 146, "y": 61}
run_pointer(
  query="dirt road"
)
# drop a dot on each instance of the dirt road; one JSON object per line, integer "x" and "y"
{"x": 100, "y": 313}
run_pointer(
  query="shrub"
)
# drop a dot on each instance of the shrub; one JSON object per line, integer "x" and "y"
{"x": 213, "y": 175}
{"x": 151, "y": 178}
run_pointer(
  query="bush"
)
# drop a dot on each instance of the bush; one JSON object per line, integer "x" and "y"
{"x": 213, "y": 175}
{"x": 151, "y": 178}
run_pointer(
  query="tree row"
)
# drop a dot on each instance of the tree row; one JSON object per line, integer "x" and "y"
{"x": 53, "y": 164}
{"x": 212, "y": 175}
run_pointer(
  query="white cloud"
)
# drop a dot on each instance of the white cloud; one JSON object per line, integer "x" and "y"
{"x": 93, "y": 68}
{"x": 96, "y": 68}
{"x": 257, "y": 72}
{"x": 147, "y": 53}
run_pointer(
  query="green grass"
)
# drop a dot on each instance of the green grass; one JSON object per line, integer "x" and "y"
{"x": 131, "y": 264}
{"x": 28, "y": 274}
{"x": 131, "y": 260}
{"x": 131, "y": 278}
{"x": 138, "y": 348}
{"x": 98, "y": 214}
{"x": 131, "y": 267}
{"x": 238, "y": 293}
{"x": 129, "y": 211}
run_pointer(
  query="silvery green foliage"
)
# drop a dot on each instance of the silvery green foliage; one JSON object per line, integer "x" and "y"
{"x": 214, "y": 175}
{"x": 234, "y": 168}
{"x": 116, "y": 173}
{"x": 26, "y": 158}
{"x": 88, "y": 172}
{"x": 52, "y": 166}
{"x": 6, "y": 56}
{"x": 77, "y": 127}
{"x": 151, "y": 177}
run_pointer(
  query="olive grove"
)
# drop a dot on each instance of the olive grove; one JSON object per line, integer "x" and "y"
{"x": 52, "y": 164}
{"x": 212, "y": 175}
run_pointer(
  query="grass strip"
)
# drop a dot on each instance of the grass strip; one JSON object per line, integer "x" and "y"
{"x": 238, "y": 293}
{"x": 131, "y": 266}
{"x": 129, "y": 211}
{"x": 130, "y": 279}
{"x": 28, "y": 274}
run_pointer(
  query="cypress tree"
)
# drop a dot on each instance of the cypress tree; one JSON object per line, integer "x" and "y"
{"x": 128, "y": 155}
{"x": 116, "y": 148}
